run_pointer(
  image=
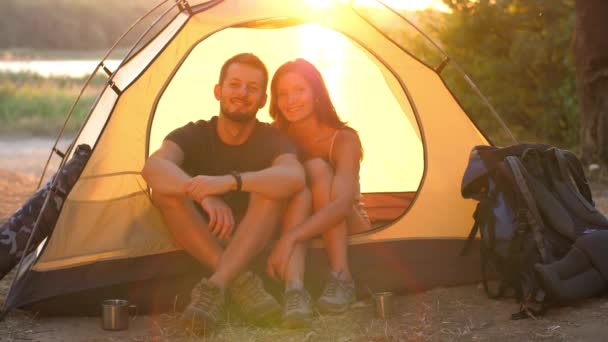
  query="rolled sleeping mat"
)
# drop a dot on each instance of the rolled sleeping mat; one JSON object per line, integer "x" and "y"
{"x": 16, "y": 231}
{"x": 595, "y": 246}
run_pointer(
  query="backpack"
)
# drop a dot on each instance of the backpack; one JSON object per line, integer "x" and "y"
{"x": 533, "y": 203}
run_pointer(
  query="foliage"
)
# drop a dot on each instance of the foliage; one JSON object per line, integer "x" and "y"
{"x": 37, "y": 105}
{"x": 519, "y": 54}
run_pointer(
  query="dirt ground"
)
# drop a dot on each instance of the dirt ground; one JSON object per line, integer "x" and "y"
{"x": 441, "y": 314}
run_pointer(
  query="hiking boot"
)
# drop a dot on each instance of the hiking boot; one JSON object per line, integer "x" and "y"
{"x": 297, "y": 309}
{"x": 337, "y": 295}
{"x": 256, "y": 305}
{"x": 205, "y": 308}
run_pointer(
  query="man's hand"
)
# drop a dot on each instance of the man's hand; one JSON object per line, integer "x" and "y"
{"x": 277, "y": 263}
{"x": 200, "y": 187}
{"x": 221, "y": 219}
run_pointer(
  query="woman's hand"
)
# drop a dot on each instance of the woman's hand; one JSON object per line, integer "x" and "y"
{"x": 277, "y": 263}
{"x": 221, "y": 219}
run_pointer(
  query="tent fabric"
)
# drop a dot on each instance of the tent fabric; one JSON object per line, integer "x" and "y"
{"x": 108, "y": 217}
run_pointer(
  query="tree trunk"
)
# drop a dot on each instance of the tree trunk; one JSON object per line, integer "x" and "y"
{"x": 591, "y": 51}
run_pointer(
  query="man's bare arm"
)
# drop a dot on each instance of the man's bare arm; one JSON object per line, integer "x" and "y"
{"x": 284, "y": 178}
{"x": 162, "y": 170}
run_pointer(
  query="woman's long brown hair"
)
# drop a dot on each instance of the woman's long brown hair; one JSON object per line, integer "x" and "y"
{"x": 323, "y": 107}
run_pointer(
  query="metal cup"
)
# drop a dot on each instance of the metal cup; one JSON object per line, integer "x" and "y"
{"x": 115, "y": 314}
{"x": 383, "y": 301}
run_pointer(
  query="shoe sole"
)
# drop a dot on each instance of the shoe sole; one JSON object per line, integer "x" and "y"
{"x": 331, "y": 309}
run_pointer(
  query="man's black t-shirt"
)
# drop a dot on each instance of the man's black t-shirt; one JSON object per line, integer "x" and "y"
{"x": 206, "y": 154}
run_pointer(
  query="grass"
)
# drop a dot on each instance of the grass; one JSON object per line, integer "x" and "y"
{"x": 34, "y": 105}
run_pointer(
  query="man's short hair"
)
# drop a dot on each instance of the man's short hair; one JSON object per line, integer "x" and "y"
{"x": 247, "y": 59}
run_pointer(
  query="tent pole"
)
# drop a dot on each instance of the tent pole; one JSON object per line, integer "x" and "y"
{"x": 12, "y": 289}
{"x": 184, "y": 6}
{"x": 84, "y": 87}
{"x": 458, "y": 67}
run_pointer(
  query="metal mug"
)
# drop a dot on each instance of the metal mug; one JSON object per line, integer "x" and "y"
{"x": 383, "y": 301}
{"x": 115, "y": 314}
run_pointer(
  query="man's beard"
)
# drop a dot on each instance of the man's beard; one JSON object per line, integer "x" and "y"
{"x": 237, "y": 116}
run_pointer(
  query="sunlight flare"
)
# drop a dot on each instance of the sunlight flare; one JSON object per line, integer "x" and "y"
{"x": 408, "y": 5}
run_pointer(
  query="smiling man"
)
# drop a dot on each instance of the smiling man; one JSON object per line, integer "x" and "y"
{"x": 224, "y": 182}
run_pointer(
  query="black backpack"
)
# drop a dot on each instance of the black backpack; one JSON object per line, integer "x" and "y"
{"x": 533, "y": 203}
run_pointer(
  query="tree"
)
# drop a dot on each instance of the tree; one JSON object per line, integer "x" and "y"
{"x": 519, "y": 54}
{"x": 591, "y": 50}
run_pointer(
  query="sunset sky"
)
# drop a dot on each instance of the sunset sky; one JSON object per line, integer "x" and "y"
{"x": 410, "y": 5}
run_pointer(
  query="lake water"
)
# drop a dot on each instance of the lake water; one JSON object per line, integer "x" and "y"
{"x": 46, "y": 68}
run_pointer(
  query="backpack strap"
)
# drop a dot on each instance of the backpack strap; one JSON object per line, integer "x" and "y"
{"x": 576, "y": 170}
{"x": 483, "y": 215}
{"x": 477, "y": 215}
{"x": 533, "y": 215}
{"x": 467, "y": 244}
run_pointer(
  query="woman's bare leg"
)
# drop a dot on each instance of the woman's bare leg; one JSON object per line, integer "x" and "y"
{"x": 320, "y": 176}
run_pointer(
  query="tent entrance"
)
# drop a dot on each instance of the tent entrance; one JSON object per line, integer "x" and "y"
{"x": 365, "y": 93}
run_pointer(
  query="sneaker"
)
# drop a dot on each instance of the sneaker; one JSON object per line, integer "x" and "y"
{"x": 297, "y": 309}
{"x": 205, "y": 308}
{"x": 256, "y": 305}
{"x": 337, "y": 295}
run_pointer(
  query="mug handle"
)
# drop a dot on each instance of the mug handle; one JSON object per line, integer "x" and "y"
{"x": 133, "y": 308}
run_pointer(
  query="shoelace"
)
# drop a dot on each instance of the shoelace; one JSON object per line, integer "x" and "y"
{"x": 205, "y": 297}
{"x": 295, "y": 300}
{"x": 250, "y": 293}
{"x": 334, "y": 284}
{"x": 332, "y": 287}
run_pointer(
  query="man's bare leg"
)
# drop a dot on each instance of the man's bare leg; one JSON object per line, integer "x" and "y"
{"x": 298, "y": 210}
{"x": 189, "y": 228}
{"x": 297, "y": 305}
{"x": 252, "y": 234}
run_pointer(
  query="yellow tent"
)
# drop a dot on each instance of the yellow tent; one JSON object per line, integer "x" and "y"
{"x": 110, "y": 239}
